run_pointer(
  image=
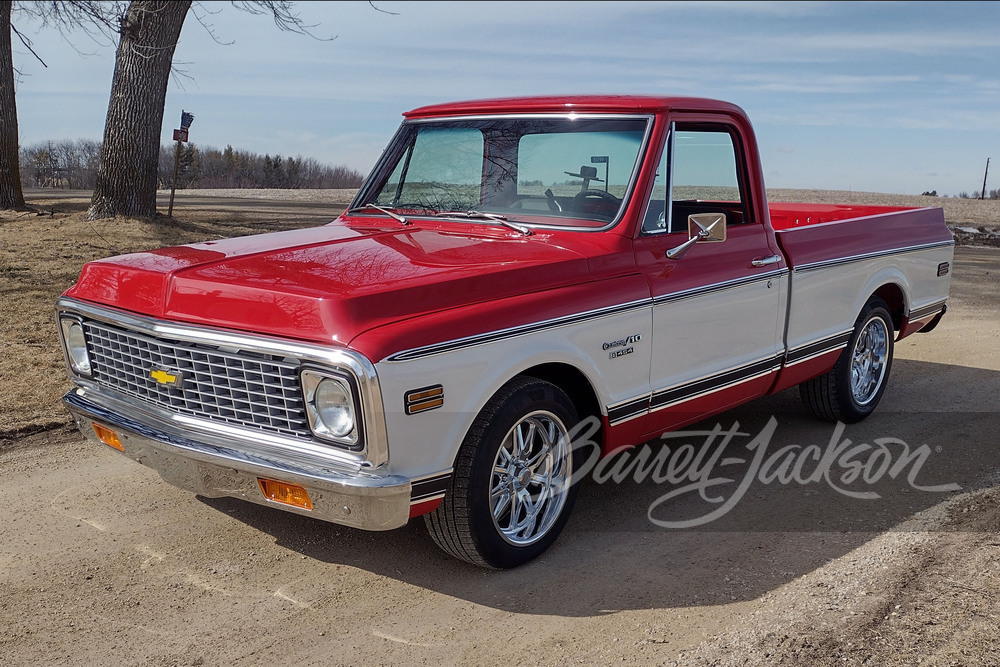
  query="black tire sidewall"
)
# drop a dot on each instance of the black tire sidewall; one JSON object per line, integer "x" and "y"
{"x": 852, "y": 410}
{"x": 492, "y": 547}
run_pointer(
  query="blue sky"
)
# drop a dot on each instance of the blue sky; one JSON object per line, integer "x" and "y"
{"x": 897, "y": 97}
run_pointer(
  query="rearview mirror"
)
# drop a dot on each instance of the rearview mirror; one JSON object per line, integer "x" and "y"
{"x": 707, "y": 227}
{"x": 702, "y": 228}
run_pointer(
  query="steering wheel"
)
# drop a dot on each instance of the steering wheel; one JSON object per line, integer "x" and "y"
{"x": 601, "y": 195}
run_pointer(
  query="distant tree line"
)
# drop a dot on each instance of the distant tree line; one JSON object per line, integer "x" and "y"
{"x": 74, "y": 165}
{"x": 990, "y": 194}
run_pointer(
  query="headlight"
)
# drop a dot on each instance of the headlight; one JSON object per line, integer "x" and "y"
{"x": 76, "y": 346}
{"x": 330, "y": 407}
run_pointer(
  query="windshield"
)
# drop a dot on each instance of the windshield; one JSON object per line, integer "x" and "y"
{"x": 553, "y": 171}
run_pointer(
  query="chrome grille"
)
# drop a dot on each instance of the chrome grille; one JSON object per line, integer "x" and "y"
{"x": 241, "y": 388}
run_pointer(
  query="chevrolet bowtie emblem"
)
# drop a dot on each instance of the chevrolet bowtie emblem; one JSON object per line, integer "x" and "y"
{"x": 165, "y": 377}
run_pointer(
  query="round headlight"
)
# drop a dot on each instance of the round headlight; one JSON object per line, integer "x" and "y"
{"x": 76, "y": 345}
{"x": 333, "y": 406}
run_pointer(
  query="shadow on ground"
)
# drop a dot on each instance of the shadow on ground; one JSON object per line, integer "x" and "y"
{"x": 612, "y": 557}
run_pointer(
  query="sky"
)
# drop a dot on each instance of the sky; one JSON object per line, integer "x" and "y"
{"x": 895, "y": 97}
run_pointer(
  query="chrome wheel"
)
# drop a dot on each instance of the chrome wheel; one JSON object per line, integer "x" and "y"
{"x": 530, "y": 479}
{"x": 852, "y": 389}
{"x": 510, "y": 494}
{"x": 869, "y": 361}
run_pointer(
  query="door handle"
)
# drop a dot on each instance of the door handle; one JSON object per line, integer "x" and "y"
{"x": 764, "y": 261}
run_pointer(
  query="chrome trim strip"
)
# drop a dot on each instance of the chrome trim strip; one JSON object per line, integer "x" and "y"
{"x": 626, "y": 197}
{"x": 717, "y": 287}
{"x": 493, "y": 336}
{"x": 375, "y": 452}
{"x": 813, "y": 266}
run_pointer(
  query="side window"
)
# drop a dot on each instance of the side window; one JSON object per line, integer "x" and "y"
{"x": 705, "y": 176}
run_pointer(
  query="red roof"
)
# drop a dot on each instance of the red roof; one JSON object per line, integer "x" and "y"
{"x": 570, "y": 103}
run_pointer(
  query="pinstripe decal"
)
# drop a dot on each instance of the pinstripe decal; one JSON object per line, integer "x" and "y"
{"x": 813, "y": 266}
{"x": 429, "y": 488}
{"x": 817, "y": 348}
{"x": 493, "y": 336}
{"x": 925, "y": 311}
{"x": 665, "y": 398}
{"x": 718, "y": 287}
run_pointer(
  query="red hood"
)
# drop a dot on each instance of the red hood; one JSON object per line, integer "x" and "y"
{"x": 330, "y": 283}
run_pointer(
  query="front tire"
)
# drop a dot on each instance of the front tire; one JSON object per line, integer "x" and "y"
{"x": 852, "y": 389}
{"x": 511, "y": 493}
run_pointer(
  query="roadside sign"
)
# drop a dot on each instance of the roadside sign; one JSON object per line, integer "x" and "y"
{"x": 180, "y": 135}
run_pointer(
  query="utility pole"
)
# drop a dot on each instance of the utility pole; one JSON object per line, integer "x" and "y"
{"x": 983, "y": 195}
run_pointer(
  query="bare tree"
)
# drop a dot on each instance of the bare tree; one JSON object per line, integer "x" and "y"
{"x": 147, "y": 32}
{"x": 11, "y": 195}
{"x": 127, "y": 174}
{"x": 65, "y": 16}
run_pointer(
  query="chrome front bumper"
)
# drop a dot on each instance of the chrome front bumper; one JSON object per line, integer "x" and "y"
{"x": 215, "y": 469}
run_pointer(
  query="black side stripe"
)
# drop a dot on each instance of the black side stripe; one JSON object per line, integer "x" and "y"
{"x": 493, "y": 336}
{"x": 429, "y": 488}
{"x": 932, "y": 309}
{"x": 629, "y": 410}
{"x": 819, "y": 347}
{"x": 681, "y": 393}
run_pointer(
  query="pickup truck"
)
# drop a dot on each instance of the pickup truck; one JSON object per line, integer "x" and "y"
{"x": 510, "y": 269}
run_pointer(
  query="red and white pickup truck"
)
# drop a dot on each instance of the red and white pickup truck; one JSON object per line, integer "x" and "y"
{"x": 510, "y": 269}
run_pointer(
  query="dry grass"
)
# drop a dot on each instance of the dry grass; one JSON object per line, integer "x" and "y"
{"x": 41, "y": 254}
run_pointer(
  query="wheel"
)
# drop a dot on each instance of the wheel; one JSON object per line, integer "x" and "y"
{"x": 510, "y": 495}
{"x": 852, "y": 389}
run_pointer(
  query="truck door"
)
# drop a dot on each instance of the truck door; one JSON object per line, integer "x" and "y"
{"x": 717, "y": 305}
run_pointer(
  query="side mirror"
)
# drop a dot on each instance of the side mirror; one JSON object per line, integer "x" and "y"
{"x": 702, "y": 228}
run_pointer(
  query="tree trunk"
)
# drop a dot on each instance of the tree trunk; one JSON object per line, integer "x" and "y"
{"x": 127, "y": 173}
{"x": 11, "y": 195}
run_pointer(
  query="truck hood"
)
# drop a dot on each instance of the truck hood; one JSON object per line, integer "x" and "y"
{"x": 332, "y": 283}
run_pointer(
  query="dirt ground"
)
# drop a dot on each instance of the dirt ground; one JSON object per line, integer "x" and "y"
{"x": 103, "y": 563}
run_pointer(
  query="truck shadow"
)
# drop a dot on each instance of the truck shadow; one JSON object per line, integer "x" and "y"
{"x": 780, "y": 526}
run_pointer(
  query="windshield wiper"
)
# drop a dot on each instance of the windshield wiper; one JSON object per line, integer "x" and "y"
{"x": 486, "y": 216}
{"x": 388, "y": 212}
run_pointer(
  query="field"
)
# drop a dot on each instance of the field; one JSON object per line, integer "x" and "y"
{"x": 103, "y": 563}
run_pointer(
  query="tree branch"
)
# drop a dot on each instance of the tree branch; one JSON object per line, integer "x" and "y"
{"x": 27, "y": 44}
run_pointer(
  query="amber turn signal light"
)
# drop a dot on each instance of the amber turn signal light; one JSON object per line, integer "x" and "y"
{"x": 285, "y": 493}
{"x": 108, "y": 437}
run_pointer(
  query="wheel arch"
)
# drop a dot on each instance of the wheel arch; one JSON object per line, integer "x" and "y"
{"x": 574, "y": 383}
{"x": 895, "y": 298}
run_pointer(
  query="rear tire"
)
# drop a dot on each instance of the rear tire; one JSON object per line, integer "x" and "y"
{"x": 511, "y": 493}
{"x": 852, "y": 389}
